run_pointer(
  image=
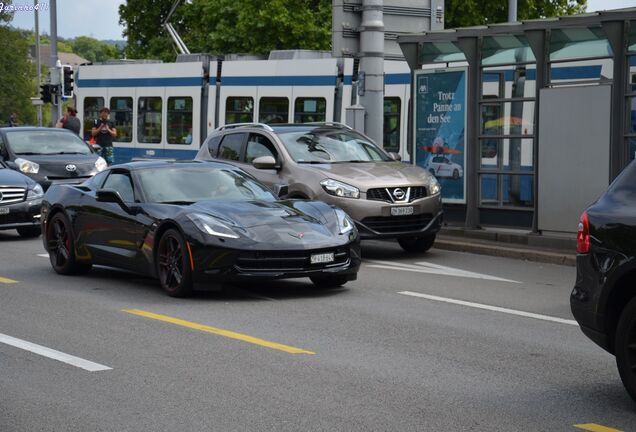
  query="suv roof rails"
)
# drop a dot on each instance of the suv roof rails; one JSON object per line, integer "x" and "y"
{"x": 331, "y": 123}
{"x": 238, "y": 125}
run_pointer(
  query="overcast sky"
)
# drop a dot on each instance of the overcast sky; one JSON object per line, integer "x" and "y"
{"x": 100, "y": 18}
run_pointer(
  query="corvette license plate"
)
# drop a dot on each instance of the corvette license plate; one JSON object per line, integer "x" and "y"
{"x": 401, "y": 211}
{"x": 4, "y": 210}
{"x": 322, "y": 258}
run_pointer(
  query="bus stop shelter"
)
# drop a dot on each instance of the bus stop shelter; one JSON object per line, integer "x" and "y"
{"x": 525, "y": 123}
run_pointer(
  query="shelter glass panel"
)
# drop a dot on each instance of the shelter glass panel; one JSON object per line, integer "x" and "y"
{"x": 391, "y": 133}
{"x": 507, "y": 118}
{"x": 509, "y": 154}
{"x": 488, "y": 189}
{"x": 180, "y": 120}
{"x": 631, "y": 45}
{"x": 517, "y": 190}
{"x": 273, "y": 110}
{"x": 631, "y": 64}
{"x": 509, "y": 82}
{"x": 440, "y": 52}
{"x": 631, "y": 144}
{"x": 631, "y": 111}
{"x": 309, "y": 110}
{"x": 581, "y": 71}
{"x": 92, "y": 105}
{"x": 579, "y": 43}
{"x": 239, "y": 110}
{"x": 121, "y": 114}
{"x": 149, "y": 119}
{"x": 506, "y": 50}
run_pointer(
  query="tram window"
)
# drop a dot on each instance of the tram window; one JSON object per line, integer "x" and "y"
{"x": 149, "y": 120}
{"x": 309, "y": 110}
{"x": 273, "y": 110}
{"x": 180, "y": 120}
{"x": 239, "y": 110}
{"x": 92, "y": 105}
{"x": 121, "y": 114}
{"x": 257, "y": 146}
{"x": 231, "y": 146}
{"x": 392, "y": 113}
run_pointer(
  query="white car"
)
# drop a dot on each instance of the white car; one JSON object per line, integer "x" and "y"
{"x": 441, "y": 166}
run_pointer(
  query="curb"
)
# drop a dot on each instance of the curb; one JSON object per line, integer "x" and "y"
{"x": 507, "y": 252}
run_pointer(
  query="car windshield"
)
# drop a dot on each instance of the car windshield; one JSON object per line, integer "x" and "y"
{"x": 184, "y": 185}
{"x": 44, "y": 142}
{"x": 331, "y": 146}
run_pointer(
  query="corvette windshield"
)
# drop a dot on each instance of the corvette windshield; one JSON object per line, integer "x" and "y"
{"x": 183, "y": 185}
{"x": 43, "y": 142}
{"x": 331, "y": 146}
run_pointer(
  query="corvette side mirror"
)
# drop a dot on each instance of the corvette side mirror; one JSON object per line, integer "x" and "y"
{"x": 112, "y": 196}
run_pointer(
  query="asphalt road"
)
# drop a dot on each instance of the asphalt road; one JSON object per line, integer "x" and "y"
{"x": 392, "y": 351}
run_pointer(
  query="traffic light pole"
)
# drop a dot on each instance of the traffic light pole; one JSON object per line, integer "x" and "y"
{"x": 55, "y": 67}
{"x": 37, "y": 58}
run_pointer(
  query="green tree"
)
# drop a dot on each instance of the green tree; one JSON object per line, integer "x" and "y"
{"x": 93, "y": 49}
{"x": 465, "y": 13}
{"x": 17, "y": 85}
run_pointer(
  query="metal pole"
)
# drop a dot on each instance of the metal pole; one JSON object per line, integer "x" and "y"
{"x": 372, "y": 64}
{"x": 512, "y": 10}
{"x": 37, "y": 58}
{"x": 55, "y": 67}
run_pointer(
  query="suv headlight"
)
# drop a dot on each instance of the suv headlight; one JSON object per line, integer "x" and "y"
{"x": 339, "y": 189}
{"x": 36, "y": 193}
{"x": 26, "y": 166}
{"x": 212, "y": 226}
{"x": 433, "y": 186}
{"x": 345, "y": 224}
{"x": 100, "y": 164}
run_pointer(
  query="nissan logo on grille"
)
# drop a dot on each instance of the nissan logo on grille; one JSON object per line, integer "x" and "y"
{"x": 399, "y": 194}
{"x": 71, "y": 168}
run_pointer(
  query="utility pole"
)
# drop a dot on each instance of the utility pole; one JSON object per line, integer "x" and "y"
{"x": 37, "y": 57}
{"x": 512, "y": 10}
{"x": 55, "y": 67}
{"x": 372, "y": 67}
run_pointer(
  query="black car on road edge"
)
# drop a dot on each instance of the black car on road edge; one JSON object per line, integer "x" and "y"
{"x": 195, "y": 223}
{"x": 20, "y": 202}
{"x": 603, "y": 300}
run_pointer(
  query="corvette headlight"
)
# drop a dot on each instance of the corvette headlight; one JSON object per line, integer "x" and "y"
{"x": 212, "y": 226}
{"x": 345, "y": 224}
{"x": 26, "y": 166}
{"x": 433, "y": 186}
{"x": 100, "y": 164}
{"x": 339, "y": 189}
{"x": 36, "y": 193}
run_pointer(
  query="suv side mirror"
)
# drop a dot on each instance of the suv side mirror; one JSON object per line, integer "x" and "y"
{"x": 264, "y": 162}
{"x": 395, "y": 156}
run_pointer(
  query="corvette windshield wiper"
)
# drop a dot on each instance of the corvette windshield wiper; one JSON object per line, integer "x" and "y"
{"x": 177, "y": 202}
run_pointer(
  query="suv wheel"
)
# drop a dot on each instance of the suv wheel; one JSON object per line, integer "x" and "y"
{"x": 417, "y": 244}
{"x": 625, "y": 345}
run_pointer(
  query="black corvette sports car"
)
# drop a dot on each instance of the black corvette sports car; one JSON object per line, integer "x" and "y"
{"x": 195, "y": 223}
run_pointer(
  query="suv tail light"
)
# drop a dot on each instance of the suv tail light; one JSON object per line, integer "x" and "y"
{"x": 583, "y": 235}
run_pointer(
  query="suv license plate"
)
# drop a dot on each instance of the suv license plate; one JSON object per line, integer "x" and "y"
{"x": 401, "y": 211}
{"x": 4, "y": 210}
{"x": 322, "y": 258}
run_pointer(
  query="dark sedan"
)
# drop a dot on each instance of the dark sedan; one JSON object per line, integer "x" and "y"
{"x": 195, "y": 223}
{"x": 49, "y": 155}
{"x": 604, "y": 297}
{"x": 20, "y": 202}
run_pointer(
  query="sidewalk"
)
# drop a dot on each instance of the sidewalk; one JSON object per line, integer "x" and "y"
{"x": 502, "y": 242}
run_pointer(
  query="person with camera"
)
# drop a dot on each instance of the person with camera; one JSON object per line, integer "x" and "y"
{"x": 70, "y": 121}
{"x": 104, "y": 131}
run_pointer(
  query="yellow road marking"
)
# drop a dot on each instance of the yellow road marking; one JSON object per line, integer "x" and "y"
{"x": 593, "y": 427}
{"x": 218, "y": 331}
{"x": 7, "y": 280}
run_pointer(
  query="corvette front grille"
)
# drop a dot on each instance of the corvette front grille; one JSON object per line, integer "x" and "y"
{"x": 274, "y": 261}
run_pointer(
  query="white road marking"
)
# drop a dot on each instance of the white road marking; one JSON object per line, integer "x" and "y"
{"x": 490, "y": 308}
{"x": 53, "y": 354}
{"x": 43, "y": 255}
{"x": 426, "y": 267}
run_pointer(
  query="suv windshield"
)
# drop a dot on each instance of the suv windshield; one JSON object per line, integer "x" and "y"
{"x": 331, "y": 146}
{"x": 43, "y": 142}
{"x": 182, "y": 185}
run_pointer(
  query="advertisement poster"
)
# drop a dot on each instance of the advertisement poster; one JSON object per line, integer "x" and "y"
{"x": 440, "y": 119}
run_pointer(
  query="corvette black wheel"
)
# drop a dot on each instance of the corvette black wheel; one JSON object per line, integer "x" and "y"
{"x": 173, "y": 267}
{"x": 625, "y": 345}
{"x": 329, "y": 281}
{"x": 61, "y": 247}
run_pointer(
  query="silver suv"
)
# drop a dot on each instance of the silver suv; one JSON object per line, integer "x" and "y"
{"x": 333, "y": 163}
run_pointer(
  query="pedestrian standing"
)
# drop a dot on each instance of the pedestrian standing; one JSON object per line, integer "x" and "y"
{"x": 70, "y": 121}
{"x": 13, "y": 120}
{"x": 104, "y": 131}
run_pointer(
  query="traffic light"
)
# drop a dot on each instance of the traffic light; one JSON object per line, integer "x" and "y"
{"x": 45, "y": 93}
{"x": 67, "y": 81}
